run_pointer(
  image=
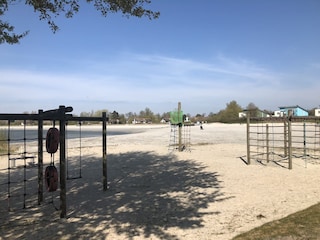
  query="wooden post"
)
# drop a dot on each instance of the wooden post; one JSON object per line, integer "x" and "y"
{"x": 248, "y": 138}
{"x": 289, "y": 144}
{"x": 304, "y": 140}
{"x": 285, "y": 138}
{"x": 63, "y": 191}
{"x": 40, "y": 157}
{"x": 267, "y": 141}
{"x": 104, "y": 151}
{"x": 180, "y": 127}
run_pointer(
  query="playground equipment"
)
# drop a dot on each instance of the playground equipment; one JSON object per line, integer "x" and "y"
{"x": 55, "y": 139}
{"x": 180, "y": 133}
{"x": 281, "y": 140}
{"x": 51, "y": 172}
{"x": 74, "y": 163}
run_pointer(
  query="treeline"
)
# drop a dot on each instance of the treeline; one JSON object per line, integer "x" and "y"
{"x": 119, "y": 118}
{"x": 228, "y": 115}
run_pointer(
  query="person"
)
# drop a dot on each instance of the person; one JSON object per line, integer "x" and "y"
{"x": 201, "y": 128}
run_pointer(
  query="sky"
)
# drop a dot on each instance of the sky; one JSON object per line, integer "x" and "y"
{"x": 202, "y": 53}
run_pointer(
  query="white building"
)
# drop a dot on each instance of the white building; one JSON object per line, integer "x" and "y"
{"x": 278, "y": 113}
{"x": 242, "y": 115}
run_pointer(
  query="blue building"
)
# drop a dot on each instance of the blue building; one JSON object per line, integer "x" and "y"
{"x": 294, "y": 110}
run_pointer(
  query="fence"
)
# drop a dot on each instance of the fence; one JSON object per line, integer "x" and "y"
{"x": 283, "y": 140}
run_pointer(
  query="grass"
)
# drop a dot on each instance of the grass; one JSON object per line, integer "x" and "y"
{"x": 304, "y": 225}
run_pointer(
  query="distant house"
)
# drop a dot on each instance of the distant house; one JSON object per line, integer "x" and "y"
{"x": 317, "y": 112}
{"x": 141, "y": 120}
{"x": 278, "y": 113}
{"x": 261, "y": 113}
{"x": 165, "y": 120}
{"x": 254, "y": 113}
{"x": 242, "y": 115}
{"x": 293, "y": 111}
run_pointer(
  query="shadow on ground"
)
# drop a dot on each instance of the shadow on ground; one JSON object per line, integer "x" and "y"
{"x": 148, "y": 194}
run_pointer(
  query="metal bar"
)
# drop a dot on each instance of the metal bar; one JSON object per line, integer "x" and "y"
{"x": 180, "y": 127}
{"x": 40, "y": 158}
{"x": 63, "y": 191}
{"x": 104, "y": 151}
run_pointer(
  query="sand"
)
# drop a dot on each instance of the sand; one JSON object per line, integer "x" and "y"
{"x": 205, "y": 192}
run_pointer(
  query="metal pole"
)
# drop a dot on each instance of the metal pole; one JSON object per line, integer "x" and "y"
{"x": 63, "y": 191}
{"x": 104, "y": 151}
{"x": 40, "y": 157}
{"x": 9, "y": 164}
{"x": 180, "y": 127}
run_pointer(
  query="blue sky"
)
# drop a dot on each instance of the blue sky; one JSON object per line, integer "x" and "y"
{"x": 203, "y": 53}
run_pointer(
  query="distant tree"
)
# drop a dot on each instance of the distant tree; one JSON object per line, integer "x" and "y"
{"x": 86, "y": 114}
{"x": 122, "y": 119}
{"x": 157, "y": 118}
{"x": 253, "y": 110}
{"x": 147, "y": 114}
{"x": 199, "y": 118}
{"x": 98, "y": 113}
{"x": 213, "y": 117}
{"x": 165, "y": 115}
{"x": 251, "y": 106}
{"x": 130, "y": 116}
{"x": 114, "y": 117}
{"x": 231, "y": 113}
{"x": 50, "y": 9}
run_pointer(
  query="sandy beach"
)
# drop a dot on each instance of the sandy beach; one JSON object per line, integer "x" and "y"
{"x": 205, "y": 192}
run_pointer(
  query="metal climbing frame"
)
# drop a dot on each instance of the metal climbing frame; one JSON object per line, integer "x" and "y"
{"x": 283, "y": 140}
{"x": 180, "y": 137}
{"x": 20, "y": 157}
{"x": 180, "y": 131}
{"x": 26, "y": 175}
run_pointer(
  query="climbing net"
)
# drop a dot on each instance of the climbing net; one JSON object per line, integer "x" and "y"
{"x": 17, "y": 166}
{"x": 180, "y": 137}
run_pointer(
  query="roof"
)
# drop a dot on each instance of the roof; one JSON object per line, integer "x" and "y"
{"x": 292, "y": 107}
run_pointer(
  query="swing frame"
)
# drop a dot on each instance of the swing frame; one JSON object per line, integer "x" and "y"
{"x": 62, "y": 115}
{"x": 80, "y": 153}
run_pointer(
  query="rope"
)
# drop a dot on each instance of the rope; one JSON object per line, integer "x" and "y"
{"x": 80, "y": 154}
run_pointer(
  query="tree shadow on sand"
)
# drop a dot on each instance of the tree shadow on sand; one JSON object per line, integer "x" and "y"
{"x": 147, "y": 194}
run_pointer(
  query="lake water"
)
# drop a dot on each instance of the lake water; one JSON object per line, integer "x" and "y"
{"x": 18, "y": 134}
